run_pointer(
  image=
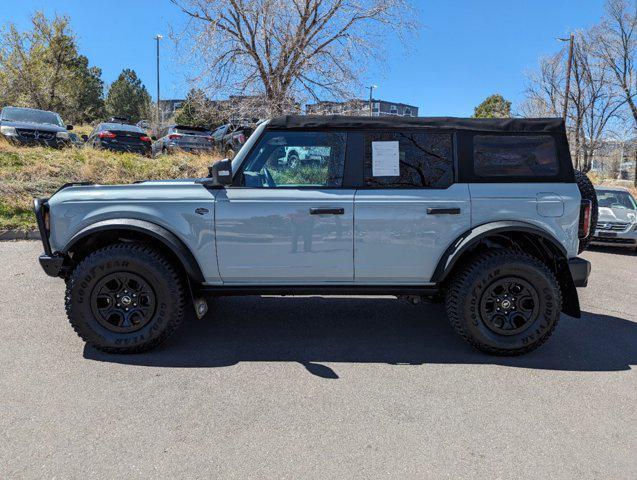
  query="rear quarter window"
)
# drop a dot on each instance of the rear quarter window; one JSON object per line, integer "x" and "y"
{"x": 515, "y": 156}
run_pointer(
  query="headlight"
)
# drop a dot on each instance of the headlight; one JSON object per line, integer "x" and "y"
{"x": 6, "y": 130}
{"x": 64, "y": 135}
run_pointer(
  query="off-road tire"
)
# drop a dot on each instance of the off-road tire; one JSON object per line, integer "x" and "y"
{"x": 464, "y": 297}
{"x": 587, "y": 191}
{"x": 293, "y": 159}
{"x": 134, "y": 258}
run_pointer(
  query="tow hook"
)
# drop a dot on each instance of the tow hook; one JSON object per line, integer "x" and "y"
{"x": 201, "y": 307}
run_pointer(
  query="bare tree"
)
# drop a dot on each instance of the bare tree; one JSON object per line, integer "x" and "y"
{"x": 615, "y": 44}
{"x": 284, "y": 50}
{"x": 594, "y": 100}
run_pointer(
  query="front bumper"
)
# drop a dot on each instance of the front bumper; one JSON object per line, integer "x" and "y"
{"x": 627, "y": 238}
{"x": 580, "y": 271}
{"x": 40, "y": 142}
{"x": 53, "y": 264}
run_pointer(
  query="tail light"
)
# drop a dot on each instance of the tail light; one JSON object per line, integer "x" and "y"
{"x": 585, "y": 218}
{"x": 106, "y": 134}
{"x": 144, "y": 138}
{"x": 210, "y": 139}
{"x": 174, "y": 136}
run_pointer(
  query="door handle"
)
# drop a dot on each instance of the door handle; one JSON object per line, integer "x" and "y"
{"x": 327, "y": 211}
{"x": 443, "y": 211}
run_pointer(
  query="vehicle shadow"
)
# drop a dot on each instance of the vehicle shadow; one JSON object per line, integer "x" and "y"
{"x": 316, "y": 330}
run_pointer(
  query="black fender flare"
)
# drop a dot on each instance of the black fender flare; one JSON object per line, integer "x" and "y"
{"x": 472, "y": 237}
{"x": 159, "y": 233}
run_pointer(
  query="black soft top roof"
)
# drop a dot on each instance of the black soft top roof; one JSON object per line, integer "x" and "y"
{"x": 300, "y": 122}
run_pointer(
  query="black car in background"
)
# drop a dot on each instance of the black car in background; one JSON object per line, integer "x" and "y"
{"x": 230, "y": 138}
{"x": 28, "y": 126}
{"x": 120, "y": 137}
{"x": 183, "y": 137}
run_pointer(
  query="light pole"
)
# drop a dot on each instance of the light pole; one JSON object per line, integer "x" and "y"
{"x": 371, "y": 88}
{"x": 158, "y": 37}
{"x": 569, "y": 64}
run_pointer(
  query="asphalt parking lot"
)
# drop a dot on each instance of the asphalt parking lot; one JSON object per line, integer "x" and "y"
{"x": 309, "y": 387}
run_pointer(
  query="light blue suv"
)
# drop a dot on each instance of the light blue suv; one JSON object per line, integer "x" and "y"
{"x": 485, "y": 215}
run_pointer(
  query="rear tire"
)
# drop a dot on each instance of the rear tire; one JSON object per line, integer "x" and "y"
{"x": 125, "y": 298}
{"x": 483, "y": 309}
{"x": 587, "y": 191}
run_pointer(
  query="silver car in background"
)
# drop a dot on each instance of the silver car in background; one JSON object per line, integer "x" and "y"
{"x": 617, "y": 222}
{"x": 184, "y": 138}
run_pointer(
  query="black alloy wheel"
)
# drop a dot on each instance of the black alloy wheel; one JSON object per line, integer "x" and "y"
{"x": 509, "y": 305}
{"x": 123, "y": 302}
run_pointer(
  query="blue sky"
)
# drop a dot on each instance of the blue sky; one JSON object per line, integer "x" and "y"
{"x": 466, "y": 50}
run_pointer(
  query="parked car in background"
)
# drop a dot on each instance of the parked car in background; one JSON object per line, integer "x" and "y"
{"x": 230, "y": 138}
{"x": 29, "y": 126}
{"x": 617, "y": 221}
{"x": 183, "y": 137}
{"x": 120, "y": 137}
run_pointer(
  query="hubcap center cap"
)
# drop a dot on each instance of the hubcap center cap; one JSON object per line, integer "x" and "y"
{"x": 506, "y": 304}
{"x": 126, "y": 300}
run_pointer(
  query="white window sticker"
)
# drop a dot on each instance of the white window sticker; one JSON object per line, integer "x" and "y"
{"x": 385, "y": 159}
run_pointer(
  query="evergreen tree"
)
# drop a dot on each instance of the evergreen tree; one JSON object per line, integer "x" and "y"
{"x": 128, "y": 97}
{"x": 494, "y": 106}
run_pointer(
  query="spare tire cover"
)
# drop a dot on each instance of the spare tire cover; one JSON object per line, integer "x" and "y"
{"x": 587, "y": 191}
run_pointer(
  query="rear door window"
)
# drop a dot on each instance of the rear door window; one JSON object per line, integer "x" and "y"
{"x": 408, "y": 159}
{"x": 514, "y": 156}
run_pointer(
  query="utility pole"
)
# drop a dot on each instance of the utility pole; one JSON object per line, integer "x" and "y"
{"x": 371, "y": 88}
{"x": 569, "y": 65}
{"x": 158, "y": 37}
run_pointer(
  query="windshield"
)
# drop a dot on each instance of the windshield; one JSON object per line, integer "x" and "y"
{"x": 29, "y": 115}
{"x": 616, "y": 199}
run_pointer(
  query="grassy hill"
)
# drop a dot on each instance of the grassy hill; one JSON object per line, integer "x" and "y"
{"x": 28, "y": 172}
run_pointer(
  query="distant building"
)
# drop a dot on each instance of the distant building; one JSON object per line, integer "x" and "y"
{"x": 169, "y": 107}
{"x": 380, "y": 108}
{"x": 235, "y": 109}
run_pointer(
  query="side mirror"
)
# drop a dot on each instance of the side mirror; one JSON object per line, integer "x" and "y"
{"x": 153, "y": 138}
{"x": 69, "y": 127}
{"x": 85, "y": 137}
{"x": 219, "y": 174}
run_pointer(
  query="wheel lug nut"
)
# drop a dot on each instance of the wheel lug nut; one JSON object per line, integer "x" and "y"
{"x": 118, "y": 305}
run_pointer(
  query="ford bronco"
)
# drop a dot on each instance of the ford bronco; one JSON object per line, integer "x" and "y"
{"x": 486, "y": 215}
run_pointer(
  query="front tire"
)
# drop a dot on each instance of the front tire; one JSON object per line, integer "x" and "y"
{"x": 504, "y": 302}
{"x": 125, "y": 298}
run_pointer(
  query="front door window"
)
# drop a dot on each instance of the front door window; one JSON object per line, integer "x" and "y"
{"x": 296, "y": 159}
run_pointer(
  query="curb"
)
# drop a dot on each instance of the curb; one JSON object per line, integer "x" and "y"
{"x": 6, "y": 235}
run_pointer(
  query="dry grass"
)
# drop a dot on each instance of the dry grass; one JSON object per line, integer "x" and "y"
{"x": 597, "y": 180}
{"x": 28, "y": 172}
